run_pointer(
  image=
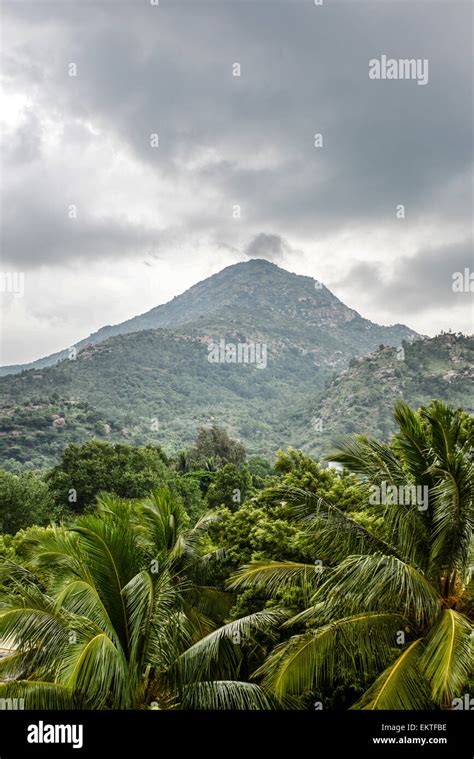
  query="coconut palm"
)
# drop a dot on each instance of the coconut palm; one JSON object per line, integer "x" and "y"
{"x": 170, "y": 543}
{"x": 394, "y": 607}
{"x": 100, "y": 614}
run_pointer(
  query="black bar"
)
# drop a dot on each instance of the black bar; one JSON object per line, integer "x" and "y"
{"x": 310, "y": 734}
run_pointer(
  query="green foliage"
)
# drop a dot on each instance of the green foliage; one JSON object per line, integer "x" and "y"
{"x": 100, "y": 615}
{"x": 24, "y": 500}
{"x": 255, "y": 531}
{"x": 214, "y": 445}
{"x": 299, "y": 470}
{"x": 113, "y": 391}
{"x": 230, "y": 487}
{"x": 156, "y": 366}
{"x": 98, "y": 467}
{"x": 302, "y": 588}
{"x": 34, "y": 433}
{"x": 261, "y": 470}
{"x": 410, "y": 591}
{"x": 362, "y": 397}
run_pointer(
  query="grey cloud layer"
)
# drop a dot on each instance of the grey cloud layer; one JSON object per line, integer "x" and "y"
{"x": 167, "y": 69}
{"x": 418, "y": 283}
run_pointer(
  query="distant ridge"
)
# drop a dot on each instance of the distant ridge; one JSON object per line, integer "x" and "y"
{"x": 149, "y": 379}
{"x": 224, "y": 290}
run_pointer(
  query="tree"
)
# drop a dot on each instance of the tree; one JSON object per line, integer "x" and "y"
{"x": 298, "y": 470}
{"x": 24, "y": 500}
{"x": 400, "y": 609}
{"x": 95, "y": 467}
{"x": 102, "y": 614}
{"x": 214, "y": 443}
{"x": 230, "y": 487}
{"x": 261, "y": 470}
{"x": 263, "y": 527}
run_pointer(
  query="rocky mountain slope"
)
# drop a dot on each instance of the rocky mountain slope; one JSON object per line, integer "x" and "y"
{"x": 361, "y": 397}
{"x": 150, "y": 379}
{"x": 261, "y": 298}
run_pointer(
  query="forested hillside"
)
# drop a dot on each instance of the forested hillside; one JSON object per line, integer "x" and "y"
{"x": 362, "y": 396}
{"x": 149, "y": 380}
{"x": 215, "y": 580}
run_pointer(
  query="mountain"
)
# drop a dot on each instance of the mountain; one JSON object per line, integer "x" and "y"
{"x": 150, "y": 379}
{"x": 361, "y": 397}
{"x": 257, "y": 295}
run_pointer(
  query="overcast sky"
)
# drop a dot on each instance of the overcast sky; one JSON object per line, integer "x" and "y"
{"x": 152, "y": 221}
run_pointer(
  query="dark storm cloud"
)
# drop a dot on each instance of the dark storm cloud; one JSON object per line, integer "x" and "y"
{"x": 250, "y": 140}
{"x": 46, "y": 235}
{"x": 272, "y": 247}
{"x": 304, "y": 71}
{"x": 419, "y": 283}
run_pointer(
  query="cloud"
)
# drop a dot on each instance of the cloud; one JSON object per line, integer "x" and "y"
{"x": 248, "y": 140}
{"x": 417, "y": 282}
{"x": 272, "y": 247}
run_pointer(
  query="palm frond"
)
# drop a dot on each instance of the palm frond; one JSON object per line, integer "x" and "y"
{"x": 138, "y": 595}
{"x": 453, "y": 514}
{"x": 40, "y": 695}
{"x": 368, "y": 458}
{"x": 82, "y": 599}
{"x": 406, "y": 524}
{"x": 57, "y": 552}
{"x": 379, "y": 583}
{"x": 224, "y": 695}
{"x": 164, "y": 521}
{"x": 272, "y": 576}
{"x": 334, "y": 532}
{"x": 14, "y": 665}
{"x": 447, "y": 657}
{"x": 96, "y": 668}
{"x": 410, "y": 444}
{"x": 113, "y": 557}
{"x": 445, "y": 427}
{"x": 23, "y": 625}
{"x": 400, "y": 686}
{"x": 221, "y": 651}
{"x": 343, "y": 647}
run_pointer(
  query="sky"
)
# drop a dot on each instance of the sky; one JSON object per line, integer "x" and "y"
{"x": 147, "y": 146}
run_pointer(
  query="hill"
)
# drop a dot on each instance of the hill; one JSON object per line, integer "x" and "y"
{"x": 150, "y": 380}
{"x": 361, "y": 397}
{"x": 259, "y": 296}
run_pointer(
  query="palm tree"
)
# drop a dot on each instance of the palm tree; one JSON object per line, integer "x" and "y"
{"x": 394, "y": 606}
{"x": 170, "y": 543}
{"x": 101, "y": 614}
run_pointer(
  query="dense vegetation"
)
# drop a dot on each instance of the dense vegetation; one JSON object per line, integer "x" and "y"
{"x": 149, "y": 381}
{"x": 211, "y": 579}
{"x": 43, "y": 414}
{"x": 362, "y": 396}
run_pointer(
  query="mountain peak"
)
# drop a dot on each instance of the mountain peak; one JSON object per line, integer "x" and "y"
{"x": 250, "y": 266}
{"x": 258, "y": 262}
{"x": 253, "y": 297}
{"x": 248, "y": 271}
